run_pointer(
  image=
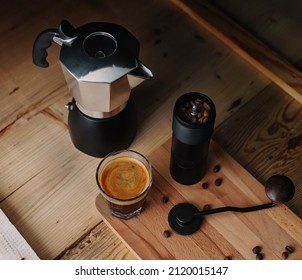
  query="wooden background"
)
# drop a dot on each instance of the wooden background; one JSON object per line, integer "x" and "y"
{"x": 47, "y": 187}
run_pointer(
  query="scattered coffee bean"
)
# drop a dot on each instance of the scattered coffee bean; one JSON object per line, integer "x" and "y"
{"x": 216, "y": 168}
{"x": 206, "y": 207}
{"x": 167, "y": 234}
{"x": 218, "y": 182}
{"x": 256, "y": 250}
{"x": 259, "y": 256}
{"x": 165, "y": 199}
{"x": 205, "y": 185}
{"x": 289, "y": 249}
{"x": 227, "y": 258}
{"x": 284, "y": 255}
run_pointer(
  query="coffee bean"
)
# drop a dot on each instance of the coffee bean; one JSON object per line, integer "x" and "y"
{"x": 206, "y": 207}
{"x": 218, "y": 182}
{"x": 216, "y": 168}
{"x": 165, "y": 199}
{"x": 193, "y": 120}
{"x": 198, "y": 101}
{"x": 200, "y": 120}
{"x": 259, "y": 256}
{"x": 205, "y": 119}
{"x": 205, "y": 185}
{"x": 289, "y": 249}
{"x": 167, "y": 234}
{"x": 227, "y": 258}
{"x": 256, "y": 250}
{"x": 195, "y": 111}
{"x": 284, "y": 255}
{"x": 206, "y": 106}
{"x": 200, "y": 108}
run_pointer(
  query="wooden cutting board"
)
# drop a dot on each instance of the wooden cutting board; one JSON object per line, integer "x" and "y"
{"x": 224, "y": 234}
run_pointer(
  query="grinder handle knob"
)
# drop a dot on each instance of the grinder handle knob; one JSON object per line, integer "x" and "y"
{"x": 42, "y": 42}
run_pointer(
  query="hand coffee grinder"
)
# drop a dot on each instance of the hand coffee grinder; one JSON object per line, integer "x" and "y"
{"x": 101, "y": 66}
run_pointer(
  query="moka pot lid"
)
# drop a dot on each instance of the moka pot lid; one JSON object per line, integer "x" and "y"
{"x": 102, "y": 52}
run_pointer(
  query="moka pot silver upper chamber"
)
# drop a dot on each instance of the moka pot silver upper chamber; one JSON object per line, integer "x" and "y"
{"x": 101, "y": 66}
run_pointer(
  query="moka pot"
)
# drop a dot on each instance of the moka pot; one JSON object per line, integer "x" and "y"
{"x": 101, "y": 67}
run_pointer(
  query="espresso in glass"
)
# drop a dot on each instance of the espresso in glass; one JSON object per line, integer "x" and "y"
{"x": 124, "y": 179}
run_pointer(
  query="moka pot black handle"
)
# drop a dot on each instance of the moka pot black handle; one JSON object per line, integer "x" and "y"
{"x": 42, "y": 43}
{"x": 66, "y": 34}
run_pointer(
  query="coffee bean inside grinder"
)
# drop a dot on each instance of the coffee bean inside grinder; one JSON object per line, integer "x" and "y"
{"x": 195, "y": 111}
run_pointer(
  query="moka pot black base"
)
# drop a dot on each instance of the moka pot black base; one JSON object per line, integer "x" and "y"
{"x": 98, "y": 137}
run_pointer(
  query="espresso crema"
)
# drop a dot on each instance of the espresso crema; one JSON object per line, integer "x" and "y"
{"x": 124, "y": 178}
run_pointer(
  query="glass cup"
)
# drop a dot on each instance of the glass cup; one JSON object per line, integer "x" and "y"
{"x": 124, "y": 179}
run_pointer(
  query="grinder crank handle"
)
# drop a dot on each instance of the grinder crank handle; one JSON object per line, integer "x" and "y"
{"x": 235, "y": 209}
{"x": 66, "y": 34}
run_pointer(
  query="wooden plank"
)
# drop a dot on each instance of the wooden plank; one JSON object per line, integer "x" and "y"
{"x": 99, "y": 243}
{"x": 225, "y": 234}
{"x": 47, "y": 186}
{"x": 268, "y": 62}
{"x": 270, "y": 141}
{"x": 275, "y": 22}
{"x": 23, "y": 93}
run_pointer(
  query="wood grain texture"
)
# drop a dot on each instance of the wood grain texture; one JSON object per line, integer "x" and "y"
{"x": 267, "y": 61}
{"x": 270, "y": 141}
{"x": 225, "y": 234}
{"x": 99, "y": 243}
{"x": 47, "y": 187}
{"x": 272, "y": 21}
{"x": 41, "y": 190}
